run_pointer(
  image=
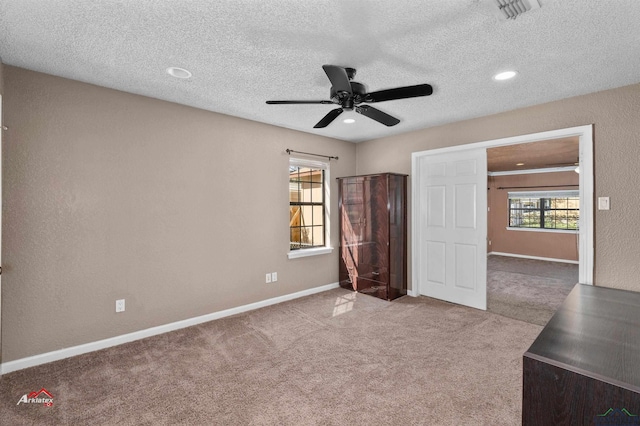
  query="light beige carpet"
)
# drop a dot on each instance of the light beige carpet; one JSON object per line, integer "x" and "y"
{"x": 334, "y": 358}
{"x": 528, "y": 289}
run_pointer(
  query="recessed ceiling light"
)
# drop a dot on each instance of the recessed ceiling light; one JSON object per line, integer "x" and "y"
{"x": 348, "y": 120}
{"x": 519, "y": 164}
{"x": 178, "y": 72}
{"x": 506, "y": 75}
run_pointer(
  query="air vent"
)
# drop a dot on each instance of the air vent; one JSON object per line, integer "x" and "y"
{"x": 511, "y": 9}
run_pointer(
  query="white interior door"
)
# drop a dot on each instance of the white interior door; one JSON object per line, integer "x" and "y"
{"x": 450, "y": 204}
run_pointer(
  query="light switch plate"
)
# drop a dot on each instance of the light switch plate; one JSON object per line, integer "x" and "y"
{"x": 603, "y": 203}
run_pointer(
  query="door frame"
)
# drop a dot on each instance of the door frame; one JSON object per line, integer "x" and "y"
{"x": 2, "y": 128}
{"x": 586, "y": 182}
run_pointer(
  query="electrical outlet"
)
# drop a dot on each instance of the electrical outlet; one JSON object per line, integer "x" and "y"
{"x": 120, "y": 305}
{"x": 267, "y": 278}
{"x": 274, "y": 277}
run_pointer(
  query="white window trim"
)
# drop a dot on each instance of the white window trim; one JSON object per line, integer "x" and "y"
{"x": 551, "y": 230}
{"x": 294, "y": 254}
{"x": 543, "y": 194}
{"x": 324, "y": 165}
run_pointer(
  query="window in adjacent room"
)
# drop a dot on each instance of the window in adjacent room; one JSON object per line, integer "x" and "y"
{"x": 548, "y": 210}
{"x": 308, "y": 207}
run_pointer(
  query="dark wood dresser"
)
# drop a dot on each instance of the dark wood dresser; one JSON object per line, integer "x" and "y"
{"x": 373, "y": 234}
{"x": 584, "y": 367}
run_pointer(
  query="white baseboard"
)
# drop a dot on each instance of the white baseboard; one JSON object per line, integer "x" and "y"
{"x": 412, "y": 293}
{"x": 19, "y": 364}
{"x": 523, "y": 256}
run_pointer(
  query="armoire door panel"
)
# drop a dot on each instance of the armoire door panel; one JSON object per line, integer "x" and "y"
{"x": 374, "y": 253}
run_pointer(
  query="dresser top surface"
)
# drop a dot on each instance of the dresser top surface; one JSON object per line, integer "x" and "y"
{"x": 595, "y": 332}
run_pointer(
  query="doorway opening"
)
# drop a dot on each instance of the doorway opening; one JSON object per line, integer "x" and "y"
{"x": 420, "y": 205}
{"x": 532, "y": 227}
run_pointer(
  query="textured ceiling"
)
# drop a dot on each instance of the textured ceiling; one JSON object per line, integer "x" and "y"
{"x": 244, "y": 52}
{"x": 535, "y": 155}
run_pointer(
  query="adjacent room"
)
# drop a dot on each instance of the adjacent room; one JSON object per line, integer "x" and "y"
{"x": 533, "y": 227}
{"x": 319, "y": 213}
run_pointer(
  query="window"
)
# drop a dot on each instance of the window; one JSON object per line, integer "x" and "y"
{"x": 308, "y": 207}
{"x": 549, "y": 210}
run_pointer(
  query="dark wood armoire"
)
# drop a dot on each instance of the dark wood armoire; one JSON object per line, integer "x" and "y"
{"x": 373, "y": 234}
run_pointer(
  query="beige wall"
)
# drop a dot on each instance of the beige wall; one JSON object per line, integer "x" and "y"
{"x": 110, "y": 195}
{"x": 553, "y": 245}
{"x": 614, "y": 114}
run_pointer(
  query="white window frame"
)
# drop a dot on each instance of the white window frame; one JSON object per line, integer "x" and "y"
{"x": 543, "y": 194}
{"x": 324, "y": 165}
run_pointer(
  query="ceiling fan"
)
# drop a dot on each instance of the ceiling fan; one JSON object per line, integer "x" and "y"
{"x": 350, "y": 94}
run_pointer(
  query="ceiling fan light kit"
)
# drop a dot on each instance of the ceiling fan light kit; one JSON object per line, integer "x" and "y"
{"x": 349, "y": 95}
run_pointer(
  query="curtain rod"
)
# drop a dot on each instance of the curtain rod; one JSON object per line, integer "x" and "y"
{"x": 539, "y": 186}
{"x": 289, "y": 151}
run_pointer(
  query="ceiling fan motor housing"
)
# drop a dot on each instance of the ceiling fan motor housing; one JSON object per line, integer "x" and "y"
{"x": 348, "y": 100}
